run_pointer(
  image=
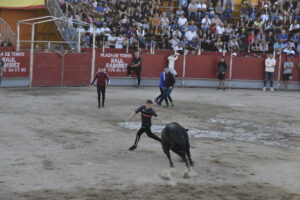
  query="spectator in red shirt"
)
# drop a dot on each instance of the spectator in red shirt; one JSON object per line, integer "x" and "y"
{"x": 102, "y": 82}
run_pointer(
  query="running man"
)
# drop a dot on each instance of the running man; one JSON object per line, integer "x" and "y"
{"x": 102, "y": 82}
{"x": 146, "y": 114}
{"x": 161, "y": 84}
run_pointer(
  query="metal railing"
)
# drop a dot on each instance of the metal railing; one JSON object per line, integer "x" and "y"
{"x": 7, "y": 33}
{"x": 65, "y": 28}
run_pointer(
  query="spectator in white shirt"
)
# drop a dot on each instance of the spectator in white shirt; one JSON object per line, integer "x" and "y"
{"x": 174, "y": 42}
{"x": 202, "y": 10}
{"x": 177, "y": 33}
{"x": 191, "y": 34}
{"x": 119, "y": 42}
{"x": 294, "y": 26}
{"x": 192, "y": 8}
{"x": 104, "y": 30}
{"x": 220, "y": 29}
{"x": 216, "y": 20}
{"x": 164, "y": 21}
{"x": 205, "y": 23}
{"x": 181, "y": 21}
{"x": 111, "y": 40}
{"x": 269, "y": 71}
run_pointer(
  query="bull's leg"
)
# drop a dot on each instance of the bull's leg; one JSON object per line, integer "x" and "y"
{"x": 181, "y": 154}
{"x": 167, "y": 152}
{"x": 189, "y": 154}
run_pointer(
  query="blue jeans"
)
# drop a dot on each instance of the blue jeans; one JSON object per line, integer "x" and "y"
{"x": 269, "y": 76}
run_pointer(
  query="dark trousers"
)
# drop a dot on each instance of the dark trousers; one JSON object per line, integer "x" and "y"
{"x": 101, "y": 90}
{"x": 166, "y": 96}
{"x": 269, "y": 76}
{"x": 137, "y": 71}
{"x": 159, "y": 96}
{"x": 149, "y": 133}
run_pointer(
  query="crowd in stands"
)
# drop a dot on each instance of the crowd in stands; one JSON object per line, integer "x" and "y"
{"x": 209, "y": 25}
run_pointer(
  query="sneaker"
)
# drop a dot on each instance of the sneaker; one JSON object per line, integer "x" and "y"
{"x": 272, "y": 89}
{"x": 172, "y": 104}
{"x": 264, "y": 89}
{"x": 156, "y": 101}
{"x": 132, "y": 148}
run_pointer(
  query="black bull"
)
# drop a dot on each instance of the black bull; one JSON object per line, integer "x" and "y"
{"x": 174, "y": 137}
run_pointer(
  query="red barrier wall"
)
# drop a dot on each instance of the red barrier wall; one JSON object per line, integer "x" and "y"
{"x": 49, "y": 69}
{"x": 77, "y": 69}
{"x": 203, "y": 66}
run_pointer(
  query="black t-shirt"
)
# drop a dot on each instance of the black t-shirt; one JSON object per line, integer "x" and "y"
{"x": 222, "y": 67}
{"x": 146, "y": 115}
{"x": 137, "y": 60}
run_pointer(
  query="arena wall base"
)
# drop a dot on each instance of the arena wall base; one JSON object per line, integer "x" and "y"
{"x": 239, "y": 84}
{"x": 15, "y": 82}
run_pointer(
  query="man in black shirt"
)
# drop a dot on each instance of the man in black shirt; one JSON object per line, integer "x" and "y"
{"x": 146, "y": 114}
{"x": 136, "y": 66}
{"x": 221, "y": 73}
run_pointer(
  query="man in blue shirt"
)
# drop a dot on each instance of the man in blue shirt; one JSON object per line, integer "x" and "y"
{"x": 161, "y": 85}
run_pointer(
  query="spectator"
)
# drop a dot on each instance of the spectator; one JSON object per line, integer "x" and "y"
{"x": 269, "y": 71}
{"x": 287, "y": 72}
{"x": 181, "y": 21}
{"x": 191, "y": 34}
{"x": 205, "y": 23}
{"x": 202, "y": 10}
{"x": 193, "y": 26}
{"x": 192, "y": 10}
{"x": 221, "y": 73}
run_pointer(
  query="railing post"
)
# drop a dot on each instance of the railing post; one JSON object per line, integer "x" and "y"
{"x": 230, "y": 70}
{"x": 279, "y": 71}
{"x": 127, "y": 46}
{"x": 31, "y": 55}
{"x": 18, "y": 36}
{"x": 183, "y": 71}
{"x": 78, "y": 42}
{"x": 93, "y": 54}
{"x": 103, "y": 48}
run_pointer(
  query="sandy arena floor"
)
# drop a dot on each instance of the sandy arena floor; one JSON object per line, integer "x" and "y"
{"x": 55, "y": 144}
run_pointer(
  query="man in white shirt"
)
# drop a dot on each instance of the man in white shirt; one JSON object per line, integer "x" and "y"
{"x": 105, "y": 30}
{"x": 181, "y": 21}
{"x": 192, "y": 8}
{"x": 174, "y": 42}
{"x": 202, "y": 8}
{"x": 205, "y": 23}
{"x": 216, "y": 20}
{"x": 171, "y": 65}
{"x": 269, "y": 71}
{"x": 177, "y": 33}
{"x": 190, "y": 34}
{"x": 119, "y": 42}
{"x": 220, "y": 29}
